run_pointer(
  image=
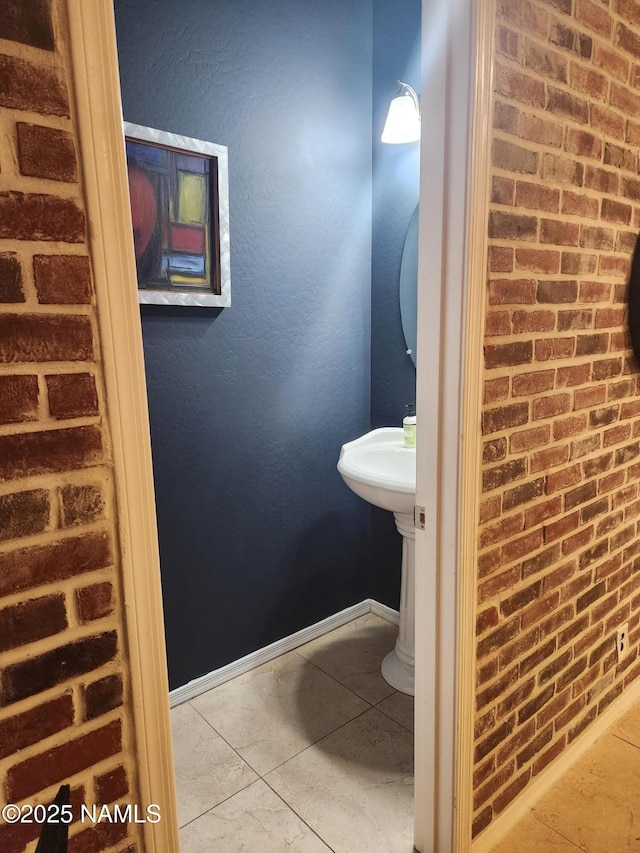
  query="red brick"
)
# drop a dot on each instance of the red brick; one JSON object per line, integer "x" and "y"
{"x": 557, "y": 292}
{"x": 542, "y": 511}
{"x": 493, "y": 478}
{"x": 615, "y": 211}
{"x": 27, "y": 568}
{"x": 32, "y": 620}
{"x": 562, "y": 170}
{"x": 59, "y": 763}
{"x": 594, "y": 291}
{"x": 496, "y": 389}
{"x": 537, "y": 197}
{"x": 512, "y": 291}
{"x": 576, "y": 204}
{"x": 497, "y": 323}
{"x": 611, "y": 61}
{"x": 36, "y": 724}
{"x": 24, "y": 514}
{"x": 72, "y": 395}
{"x": 538, "y": 260}
{"x": 519, "y": 87}
{"x": 103, "y": 696}
{"x": 518, "y": 548}
{"x": 550, "y": 755}
{"x": 529, "y": 439}
{"x": 595, "y": 17}
{"x": 62, "y": 279}
{"x": 559, "y": 232}
{"x": 26, "y": 86}
{"x": 507, "y": 42}
{"x": 112, "y": 785}
{"x": 613, "y": 265}
{"x": 620, "y": 157}
{"x": 46, "y": 152}
{"x": 27, "y": 454}
{"x": 584, "y": 398}
{"x": 575, "y": 320}
{"x": 95, "y": 601}
{"x": 552, "y": 348}
{"x": 543, "y": 131}
{"x": 45, "y": 337}
{"x": 514, "y": 158}
{"x": 628, "y": 40}
{"x": 32, "y": 216}
{"x": 562, "y": 527}
{"x": 545, "y": 62}
{"x": 81, "y": 504}
{"x": 28, "y": 23}
{"x": 500, "y": 259}
{"x": 18, "y": 399}
{"x": 578, "y": 263}
{"x": 507, "y": 226}
{"x": 602, "y": 180}
{"x": 584, "y": 144}
{"x": 502, "y": 190}
{"x": 544, "y": 460}
{"x": 528, "y": 384}
{"x": 503, "y": 355}
{"x": 551, "y": 406}
{"x": 612, "y": 123}
{"x": 10, "y": 278}
{"x": 533, "y": 321}
{"x": 98, "y": 837}
{"x": 592, "y": 344}
{"x": 561, "y": 102}
{"x": 37, "y": 674}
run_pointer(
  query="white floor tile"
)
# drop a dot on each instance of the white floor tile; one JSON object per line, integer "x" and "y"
{"x": 278, "y": 709}
{"x": 354, "y": 788}
{"x": 253, "y": 821}
{"x": 207, "y": 769}
{"x": 353, "y": 653}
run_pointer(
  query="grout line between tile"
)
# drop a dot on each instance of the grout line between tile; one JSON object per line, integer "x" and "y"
{"x": 559, "y": 834}
{"x": 299, "y": 816}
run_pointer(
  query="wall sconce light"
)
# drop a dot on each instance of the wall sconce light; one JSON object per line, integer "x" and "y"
{"x": 403, "y": 118}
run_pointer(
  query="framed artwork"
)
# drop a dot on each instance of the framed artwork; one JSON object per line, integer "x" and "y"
{"x": 179, "y": 193}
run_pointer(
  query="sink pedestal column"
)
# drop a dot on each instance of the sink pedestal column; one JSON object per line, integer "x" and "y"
{"x": 398, "y": 666}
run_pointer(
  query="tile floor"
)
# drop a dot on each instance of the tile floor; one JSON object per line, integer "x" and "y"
{"x": 595, "y": 807}
{"x": 310, "y": 752}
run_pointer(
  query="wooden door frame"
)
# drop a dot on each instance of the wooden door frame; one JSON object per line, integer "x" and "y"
{"x": 98, "y": 112}
{"x": 454, "y": 200}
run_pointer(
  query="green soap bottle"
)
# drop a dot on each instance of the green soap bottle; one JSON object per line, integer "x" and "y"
{"x": 409, "y": 425}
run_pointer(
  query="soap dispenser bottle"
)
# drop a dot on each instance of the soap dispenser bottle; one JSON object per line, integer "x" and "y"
{"x": 409, "y": 425}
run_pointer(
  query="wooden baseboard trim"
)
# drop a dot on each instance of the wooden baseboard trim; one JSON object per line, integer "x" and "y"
{"x": 248, "y": 662}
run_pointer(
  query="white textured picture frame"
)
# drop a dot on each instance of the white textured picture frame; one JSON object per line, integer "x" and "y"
{"x": 191, "y": 296}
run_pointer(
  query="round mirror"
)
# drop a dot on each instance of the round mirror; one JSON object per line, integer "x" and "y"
{"x": 409, "y": 287}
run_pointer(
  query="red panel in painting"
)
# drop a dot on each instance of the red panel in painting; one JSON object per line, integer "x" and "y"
{"x": 144, "y": 208}
{"x": 188, "y": 238}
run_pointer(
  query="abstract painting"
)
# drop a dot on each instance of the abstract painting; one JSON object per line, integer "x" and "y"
{"x": 179, "y": 193}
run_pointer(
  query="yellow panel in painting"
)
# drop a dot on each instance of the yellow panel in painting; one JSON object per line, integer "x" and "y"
{"x": 192, "y": 198}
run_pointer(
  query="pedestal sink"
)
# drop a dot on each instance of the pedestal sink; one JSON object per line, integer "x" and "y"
{"x": 380, "y": 469}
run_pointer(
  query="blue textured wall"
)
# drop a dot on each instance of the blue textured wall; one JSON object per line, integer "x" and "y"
{"x": 249, "y": 406}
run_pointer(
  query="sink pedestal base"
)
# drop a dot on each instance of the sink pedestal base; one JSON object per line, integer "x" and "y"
{"x": 398, "y": 667}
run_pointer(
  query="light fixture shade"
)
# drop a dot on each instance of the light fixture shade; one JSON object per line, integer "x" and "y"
{"x": 403, "y": 118}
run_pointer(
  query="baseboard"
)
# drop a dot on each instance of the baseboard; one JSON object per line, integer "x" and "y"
{"x": 384, "y": 612}
{"x": 287, "y": 644}
{"x": 523, "y": 804}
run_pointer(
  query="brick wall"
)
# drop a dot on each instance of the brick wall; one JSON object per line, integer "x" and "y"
{"x": 558, "y": 566}
{"x": 64, "y": 675}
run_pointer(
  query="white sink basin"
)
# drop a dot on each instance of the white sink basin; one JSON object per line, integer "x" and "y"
{"x": 380, "y": 469}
